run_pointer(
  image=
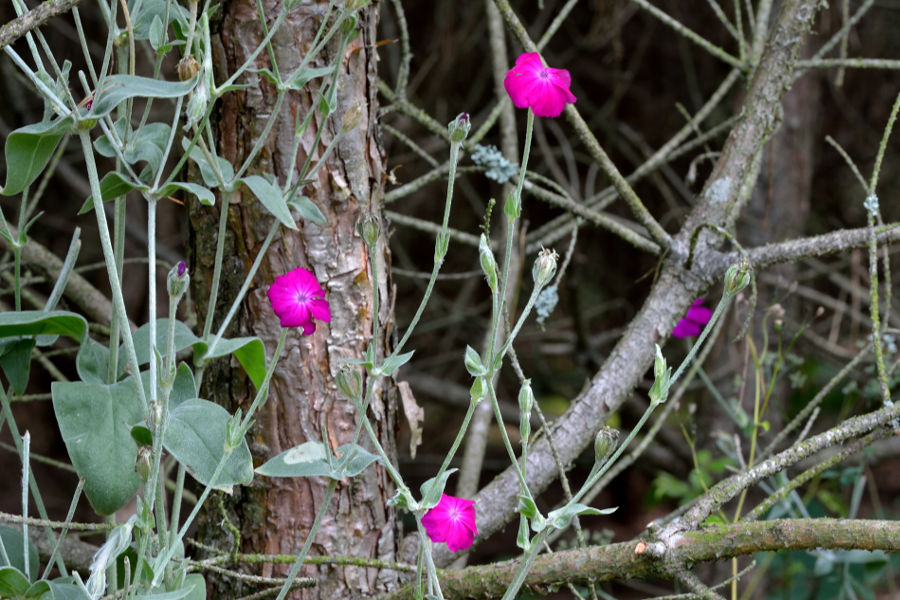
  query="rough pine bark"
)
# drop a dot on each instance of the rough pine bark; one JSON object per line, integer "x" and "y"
{"x": 274, "y": 515}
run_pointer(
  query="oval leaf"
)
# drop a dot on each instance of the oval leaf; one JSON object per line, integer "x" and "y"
{"x": 95, "y": 421}
{"x": 306, "y": 460}
{"x": 196, "y": 436}
{"x": 38, "y": 322}
{"x": 13, "y": 543}
{"x": 118, "y": 88}
{"x": 28, "y": 150}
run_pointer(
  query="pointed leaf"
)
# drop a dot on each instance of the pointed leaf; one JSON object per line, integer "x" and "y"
{"x": 394, "y": 362}
{"x": 561, "y": 517}
{"x": 28, "y": 150}
{"x": 196, "y": 437}
{"x": 39, "y": 322}
{"x": 354, "y": 459}
{"x": 301, "y": 77}
{"x": 118, "y": 88}
{"x": 272, "y": 198}
{"x": 306, "y": 209}
{"x": 12, "y": 542}
{"x": 112, "y": 186}
{"x": 184, "y": 387}
{"x": 15, "y": 360}
{"x": 13, "y": 584}
{"x": 92, "y": 362}
{"x": 433, "y": 488}
{"x": 249, "y": 351}
{"x": 306, "y": 460}
{"x": 206, "y": 170}
{"x": 95, "y": 421}
{"x": 203, "y": 194}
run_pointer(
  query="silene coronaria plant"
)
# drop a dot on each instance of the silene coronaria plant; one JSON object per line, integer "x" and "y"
{"x": 146, "y": 383}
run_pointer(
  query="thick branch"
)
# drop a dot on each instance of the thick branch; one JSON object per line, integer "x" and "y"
{"x": 619, "y": 561}
{"x": 727, "y": 489}
{"x": 35, "y": 17}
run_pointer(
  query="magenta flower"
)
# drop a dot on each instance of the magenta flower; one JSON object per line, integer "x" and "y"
{"x": 692, "y": 324}
{"x": 530, "y": 84}
{"x": 452, "y": 521}
{"x": 297, "y": 298}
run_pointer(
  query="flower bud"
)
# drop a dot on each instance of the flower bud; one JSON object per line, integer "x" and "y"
{"x": 349, "y": 381}
{"x": 662, "y": 374}
{"x": 144, "y": 463}
{"x": 737, "y": 277}
{"x": 544, "y": 267}
{"x": 526, "y": 398}
{"x": 177, "y": 281}
{"x": 605, "y": 444}
{"x": 369, "y": 230}
{"x": 526, "y": 403}
{"x": 459, "y": 127}
{"x": 198, "y": 103}
{"x": 488, "y": 264}
{"x": 188, "y": 67}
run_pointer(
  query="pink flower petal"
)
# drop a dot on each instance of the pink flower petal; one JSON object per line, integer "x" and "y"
{"x": 297, "y": 298}
{"x": 545, "y": 90}
{"x": 451, "y": 521}
{"x": 699, "y": 315}
{"x": 686, "y": 328}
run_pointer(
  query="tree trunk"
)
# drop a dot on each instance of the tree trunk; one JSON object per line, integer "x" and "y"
{"x": 275, "y": 515}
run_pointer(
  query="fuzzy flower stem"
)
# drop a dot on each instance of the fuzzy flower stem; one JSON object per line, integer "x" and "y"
{"x": 109, "y": 260}
{"x": 459, "y": 437}
{"x": 263, "y": 392}
{"x": 535, "y": 292}
{"x": 525, "y": 565}
{"x": 440, "y": 241}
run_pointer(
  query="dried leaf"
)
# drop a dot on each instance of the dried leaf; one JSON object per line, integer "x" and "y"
{"x": 415, "y": 416}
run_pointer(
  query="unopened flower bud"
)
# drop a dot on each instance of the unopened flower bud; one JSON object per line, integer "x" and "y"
{"x": 526, "y": 403}
{"x": 369, "y": 230}
{"x": 488, "y": 264}
{"x": 349, "y": 381}
{"x": 662, "y": 375}
{"x": 459, "y": 127}
{"x": 737, "y": 277}
{"x": 156, "y": 415}
{"x": 188, "y": 67}
{"x": 544, "y": 267}
{"x": 605, "y": 443}
{"x": 144, "y": 463}
{"x": 198, "y": 103}
{"x": 177, "y": 280}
